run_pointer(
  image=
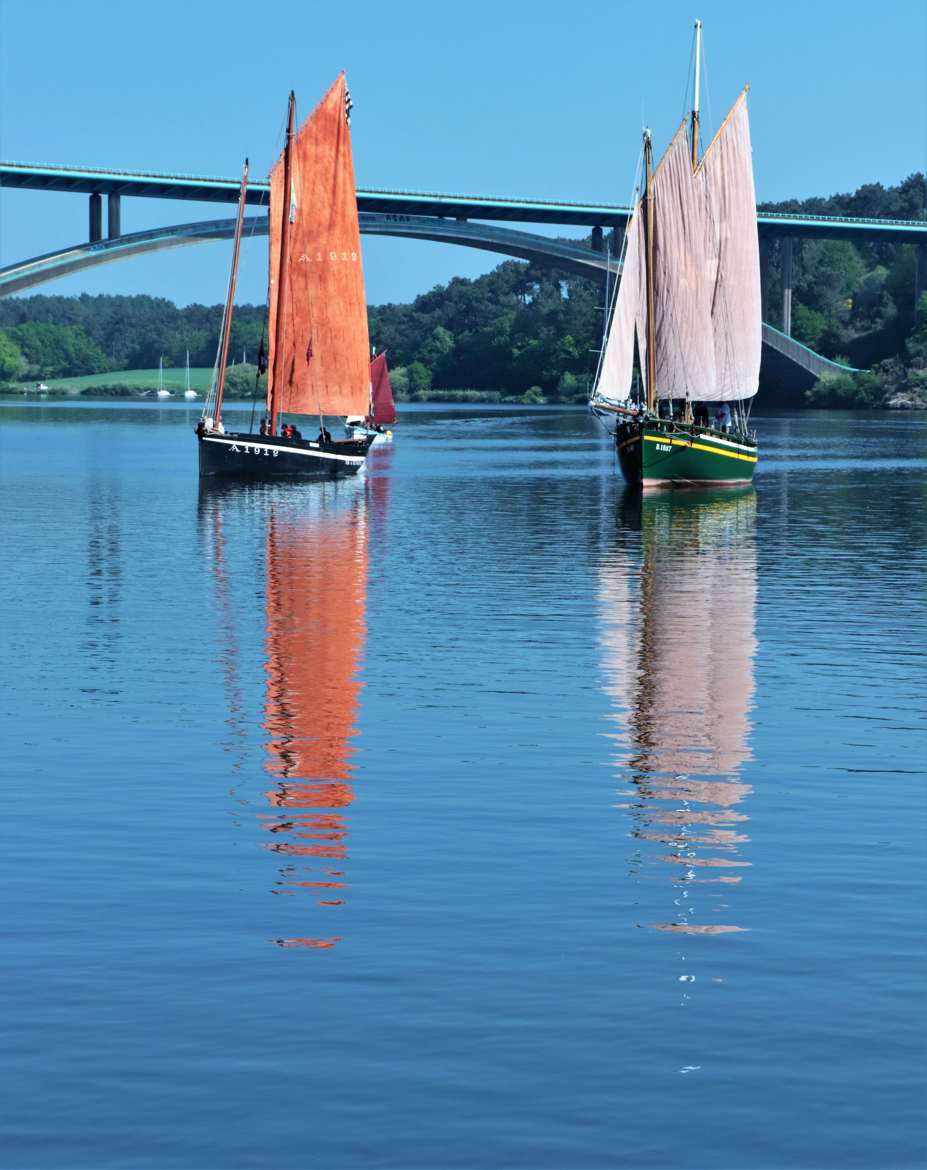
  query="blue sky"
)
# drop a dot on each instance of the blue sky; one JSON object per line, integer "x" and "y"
{"x": 535, "y": 99}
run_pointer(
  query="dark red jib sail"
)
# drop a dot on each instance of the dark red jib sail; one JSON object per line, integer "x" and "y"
{"x": 323, "y": 366}
{"x": 384, "y": 409}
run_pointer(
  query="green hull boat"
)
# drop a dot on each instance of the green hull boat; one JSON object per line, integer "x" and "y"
{"x": 684, "y": 326}
{"x": 654, "y": 452}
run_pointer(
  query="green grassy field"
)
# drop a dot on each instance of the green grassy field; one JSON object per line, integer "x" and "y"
{"x": 174, "y": 380}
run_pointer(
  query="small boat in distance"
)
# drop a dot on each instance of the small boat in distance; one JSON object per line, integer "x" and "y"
{"x": 318, "y": 362}
{"x": 382, "y": 412}
{"x": 161, "y": 391}
{"x": 689, "y": 295}
{"x": 188, "y": 392}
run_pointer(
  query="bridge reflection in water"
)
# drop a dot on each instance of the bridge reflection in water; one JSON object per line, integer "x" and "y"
{"x": 314, "y": 625}
{"x": 679, "y": 644}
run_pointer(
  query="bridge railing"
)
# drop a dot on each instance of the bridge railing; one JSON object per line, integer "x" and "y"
{"x": 873, "y": 220}
{"x": 205, "y": 188}
{"x": 814, "y": 363}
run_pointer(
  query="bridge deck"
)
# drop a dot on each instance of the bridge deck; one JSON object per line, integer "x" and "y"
{"x": 152, "y": 185}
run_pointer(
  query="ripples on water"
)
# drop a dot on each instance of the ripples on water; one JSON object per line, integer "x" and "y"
{"x": 678, "y": 636}
{"x": 445, "y": 817}
{"x": 315, "y": 546}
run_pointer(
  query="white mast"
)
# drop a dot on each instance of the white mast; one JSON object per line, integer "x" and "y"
{"x": 695, "y": 96}
{"x": 163, "y": 392}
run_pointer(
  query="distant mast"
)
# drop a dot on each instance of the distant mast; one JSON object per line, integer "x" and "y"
{"x": 648, "y": 266}
{"x": 695, "y": 93}
{"x": 276, "y": 373}
{"x": 230, "y": 299}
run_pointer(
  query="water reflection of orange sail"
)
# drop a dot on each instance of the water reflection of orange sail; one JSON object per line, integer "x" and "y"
{"x": 681, "y": 669}
{"x": 316, "y": 581}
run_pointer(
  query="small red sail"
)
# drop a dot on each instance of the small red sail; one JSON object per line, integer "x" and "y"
{"x": 384, "y": 409}
{"x": 324, "y": 365}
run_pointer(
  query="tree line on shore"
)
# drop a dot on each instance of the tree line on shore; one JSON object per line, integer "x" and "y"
{"x": 521, "y": 332}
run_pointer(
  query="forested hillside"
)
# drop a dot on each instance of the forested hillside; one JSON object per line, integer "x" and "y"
{"x": 856, "y": 301}
{"x": 520, "y": 331}
{"x": 118, "y": 333}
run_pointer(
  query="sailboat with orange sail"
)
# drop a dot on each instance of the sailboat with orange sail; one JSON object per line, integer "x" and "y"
{"x": 318, "y": 361}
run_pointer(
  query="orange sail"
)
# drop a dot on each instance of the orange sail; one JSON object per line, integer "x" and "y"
{"x": 323, "y": 366}
{"x": 384, "y": 409}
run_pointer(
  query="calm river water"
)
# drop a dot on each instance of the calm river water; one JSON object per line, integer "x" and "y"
{"x": 474, "y": 813}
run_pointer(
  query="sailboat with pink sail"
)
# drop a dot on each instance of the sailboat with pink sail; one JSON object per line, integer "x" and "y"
{"x": 382, "y": 413}
{"x": 687, "y": 309}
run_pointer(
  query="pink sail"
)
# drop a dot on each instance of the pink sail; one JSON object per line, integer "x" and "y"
{"x": 629, "y": 311}
{"x": 384, "y": 409}
{"x": 684, "y": 339}
{"x": 725, "y": 181}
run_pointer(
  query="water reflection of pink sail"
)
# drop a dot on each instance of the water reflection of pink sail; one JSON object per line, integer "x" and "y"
{"x": 316, "y": 583}
{"x": 679, "y": 667}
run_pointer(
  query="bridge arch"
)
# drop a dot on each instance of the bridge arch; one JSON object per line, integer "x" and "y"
{"x": 490, "y": 238}
{"x": 550, "y": 252}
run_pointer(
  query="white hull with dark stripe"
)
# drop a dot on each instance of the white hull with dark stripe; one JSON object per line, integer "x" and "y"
{"x": 246, "y": 456}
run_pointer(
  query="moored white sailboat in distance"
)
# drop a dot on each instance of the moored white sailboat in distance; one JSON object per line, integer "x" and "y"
{"x": 188, "y": 391}
{"x": 162, "y": 392}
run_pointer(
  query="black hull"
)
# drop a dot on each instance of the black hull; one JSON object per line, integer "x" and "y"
{"x": 259, "y": 457}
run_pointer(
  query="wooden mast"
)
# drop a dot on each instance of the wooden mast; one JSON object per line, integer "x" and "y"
{"x": 230, "y": 301}
{"x": 698, "y": 63}
{"x": 277, "y": 371}
{"x": 651, "y": 330}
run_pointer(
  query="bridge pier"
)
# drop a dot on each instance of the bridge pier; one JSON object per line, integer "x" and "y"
{"x": 785, "y": 251}
{"x": 113, "y": 227}
{"x": 96, "y": 218}
{"x": 764, "y": 276}
{"x": 598, "y": 245}
{"x": 920, "y": 270}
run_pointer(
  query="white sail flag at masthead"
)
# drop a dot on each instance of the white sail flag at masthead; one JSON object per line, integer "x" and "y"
{"x": 725, "y": 178}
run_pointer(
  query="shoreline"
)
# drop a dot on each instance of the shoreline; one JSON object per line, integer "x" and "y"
{"x": 899, "y": 404}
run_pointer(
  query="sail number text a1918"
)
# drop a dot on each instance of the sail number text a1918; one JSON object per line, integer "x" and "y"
{"x": 346, "y": 257}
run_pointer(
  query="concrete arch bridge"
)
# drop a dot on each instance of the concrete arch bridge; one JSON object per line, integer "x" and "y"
{"x": 796, "y": 361}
